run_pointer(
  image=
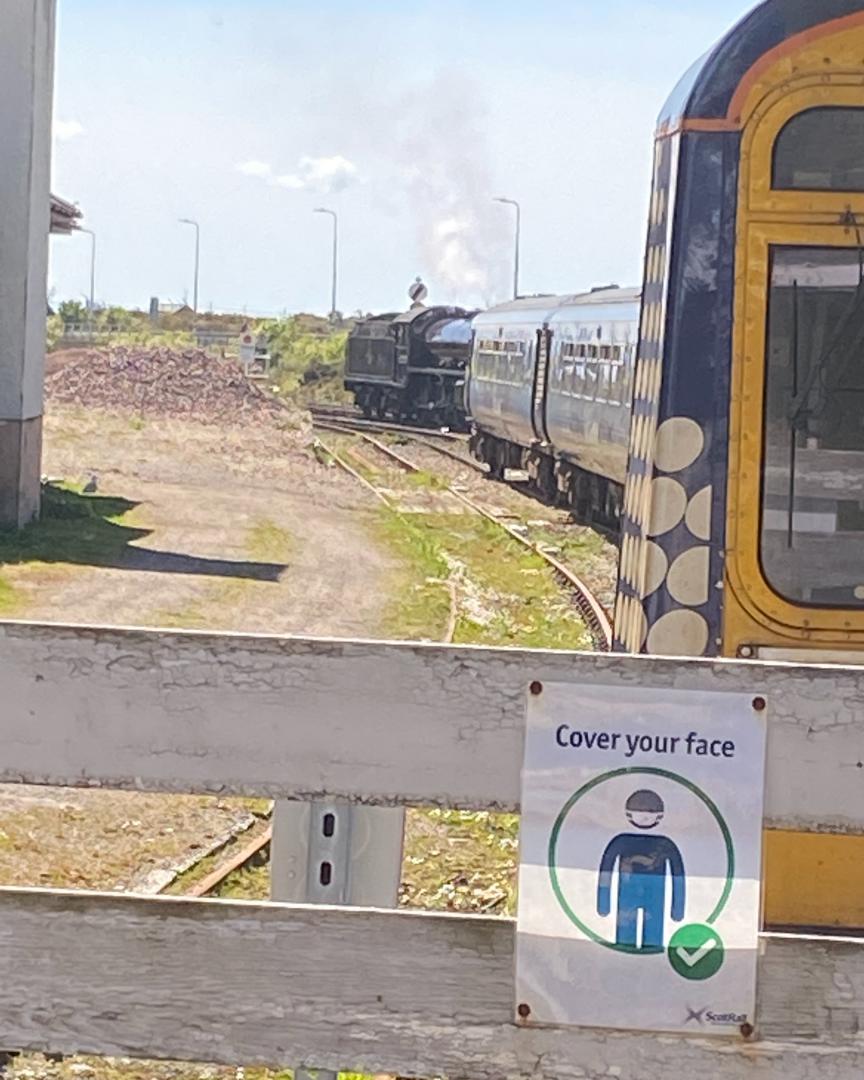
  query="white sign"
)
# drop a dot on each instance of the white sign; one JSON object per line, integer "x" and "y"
{"x": 247, "y": 347}
{"x": 641, "y": 851}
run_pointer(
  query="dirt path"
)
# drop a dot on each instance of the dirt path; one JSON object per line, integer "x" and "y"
{"x": 229, "y": 529}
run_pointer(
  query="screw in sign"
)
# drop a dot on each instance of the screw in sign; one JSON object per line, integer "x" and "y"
{"x": 640, "y": 864}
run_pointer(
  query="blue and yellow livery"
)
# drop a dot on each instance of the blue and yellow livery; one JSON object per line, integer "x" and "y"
{"x": 743, "y": 524}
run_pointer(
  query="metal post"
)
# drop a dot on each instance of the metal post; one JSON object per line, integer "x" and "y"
{"x": 334, "y": 215}
{"x": 91, "y": 303}
{"x": 518, "y": 208}
{"x": 197, "y": 227}
{"x": 334, "y": 853}
{"x": 27, "y": 88}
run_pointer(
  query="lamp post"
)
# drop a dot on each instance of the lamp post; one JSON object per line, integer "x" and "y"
{"x": 514, "y": 203}
{"x": 197, "y": 228}
{"x": 91, "y": 303}
{"x": 334, "y": 215}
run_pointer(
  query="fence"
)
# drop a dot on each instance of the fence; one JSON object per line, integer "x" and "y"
{"x": 375, "y": 724}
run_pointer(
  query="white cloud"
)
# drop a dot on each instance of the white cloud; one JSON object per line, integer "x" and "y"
{"x": 64, "y": 130}
{"x": 256, "y": 168}
{"x": 292, "y": 182}
{"x": 322, "y": 175}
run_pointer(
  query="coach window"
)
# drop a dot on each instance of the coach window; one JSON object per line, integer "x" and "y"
{"x": 821, "y": 149}
{"x": 812, "y": 537}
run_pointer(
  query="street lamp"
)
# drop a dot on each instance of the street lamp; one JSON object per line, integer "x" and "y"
{"x": 334, "y": 215}
{"x": 197, "y": 228}
{"x": 92, "y": 301}
{"x": 512, "y": 202}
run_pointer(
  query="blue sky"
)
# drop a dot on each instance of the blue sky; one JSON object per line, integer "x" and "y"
{"x": 405, "y": 119}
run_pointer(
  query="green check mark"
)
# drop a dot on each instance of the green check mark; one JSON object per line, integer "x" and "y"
{"x": 696, "y": 952}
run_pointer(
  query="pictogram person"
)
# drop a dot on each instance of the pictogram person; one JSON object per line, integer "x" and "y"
{"x": 644, "y": 860}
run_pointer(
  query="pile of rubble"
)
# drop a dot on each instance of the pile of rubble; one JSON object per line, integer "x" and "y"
{"x": 161, "y": 383}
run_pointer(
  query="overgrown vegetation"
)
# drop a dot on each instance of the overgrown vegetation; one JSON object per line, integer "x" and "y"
{"x": 310, "y": 358}
{"x": 117, "y": 326}
{"x": 421, "y": 608}
{"x": 507, "y": 595}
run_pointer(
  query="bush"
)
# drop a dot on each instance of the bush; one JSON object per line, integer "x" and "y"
{"x": 307, "y": 362}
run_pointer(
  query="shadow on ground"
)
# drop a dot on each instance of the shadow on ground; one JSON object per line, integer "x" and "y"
{"x": 86, "y": 530}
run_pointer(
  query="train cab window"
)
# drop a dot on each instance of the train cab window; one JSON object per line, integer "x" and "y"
{"x": 821, "y": 150}
{"x": 812, "y": 542}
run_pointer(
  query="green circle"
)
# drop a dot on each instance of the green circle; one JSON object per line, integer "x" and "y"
{"x": 602, "y": 779}
{"x": 696, "y": 952}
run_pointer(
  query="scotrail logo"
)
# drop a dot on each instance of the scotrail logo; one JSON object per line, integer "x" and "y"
{"x": 707, "y": 1016}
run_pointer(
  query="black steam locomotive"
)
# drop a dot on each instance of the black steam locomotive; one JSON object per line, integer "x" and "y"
{"x": 412, "y": 367}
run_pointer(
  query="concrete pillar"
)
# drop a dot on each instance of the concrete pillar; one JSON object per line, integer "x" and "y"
{"x": 26, "y": 93}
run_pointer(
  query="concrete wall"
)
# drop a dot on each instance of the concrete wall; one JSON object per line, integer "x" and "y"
{"x": 26, "y": 91}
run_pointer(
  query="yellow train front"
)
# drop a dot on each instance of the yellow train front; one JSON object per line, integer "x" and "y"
{"x": 743, "y": 531}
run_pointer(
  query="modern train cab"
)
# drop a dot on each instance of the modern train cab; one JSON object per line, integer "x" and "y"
{"x": 743, "y": 527}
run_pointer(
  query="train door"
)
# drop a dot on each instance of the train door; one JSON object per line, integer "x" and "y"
{"x": 796, "y": 495}
{"x": 543, "y": 355}
{"x": 795, "y": 544}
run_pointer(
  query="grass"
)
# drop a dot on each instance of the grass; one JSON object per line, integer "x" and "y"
{"x": 460, "y": 861}
{"x": 508, "y": 595}
{"x": 74, "y": 529}
{"x": 423, "y": 479}
{"x": 421, "y": 610}
{"x": 10, "y": 600}
{"x": 268, "y": 542}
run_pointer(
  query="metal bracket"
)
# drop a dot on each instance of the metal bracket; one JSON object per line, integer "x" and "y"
{"x": 336, "y": 853}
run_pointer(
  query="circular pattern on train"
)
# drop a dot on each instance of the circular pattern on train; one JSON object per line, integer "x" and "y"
{"x": 679, "y": 633}
{"x": 638, "y": 627}
{"x": 698, "y": 516}
{"x": 679, "y": 443}
{"x": 634, "y": 625}
{"x": 656, "y": 567}
{"x": 624, "y": 560}
{"x": 668, "y": 505}
{"x": 688, "y": 577}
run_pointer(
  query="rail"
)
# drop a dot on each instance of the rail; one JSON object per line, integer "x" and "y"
{"x": 594, "y": 615}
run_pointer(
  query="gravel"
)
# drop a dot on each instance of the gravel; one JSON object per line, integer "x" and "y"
{"x": 163, "y": 383}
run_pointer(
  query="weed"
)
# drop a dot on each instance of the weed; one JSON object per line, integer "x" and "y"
{"x": 268, "y": 542}
{"x": 423, "y": 479}
{"x": 421, "y": 610}
{"x": 524, "y": 602}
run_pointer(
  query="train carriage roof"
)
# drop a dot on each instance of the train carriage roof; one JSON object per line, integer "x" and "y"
{"x": 541, "y": 309}
{"x": 708, "y": 88}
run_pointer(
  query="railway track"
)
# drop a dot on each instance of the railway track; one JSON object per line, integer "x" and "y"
{"x": 422, "y": 438}
{"x": 239, "y": 856}
{"x": 592, "y": 611}
{"x": 333, "y": 414}
{"x": 346, "y": 421}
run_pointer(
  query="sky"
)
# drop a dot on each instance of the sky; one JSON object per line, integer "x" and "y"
{"x": 405, "y": 119}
